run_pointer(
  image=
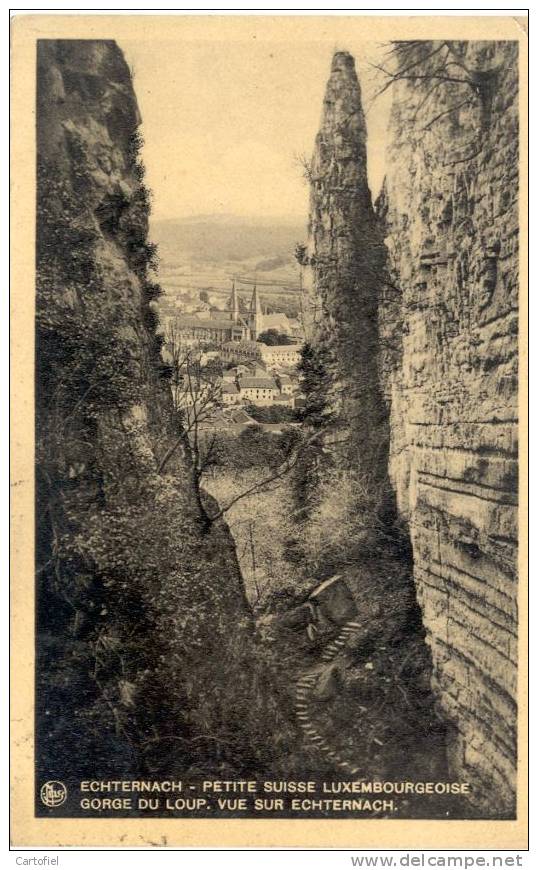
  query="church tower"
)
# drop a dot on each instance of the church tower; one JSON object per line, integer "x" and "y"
{"x": 255, "y": 321}
{"x": 233, "y": 305}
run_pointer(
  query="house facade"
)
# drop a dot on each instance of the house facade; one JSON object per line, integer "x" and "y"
{"x": 259, "y": 391}
{"x": 280, "y": 354}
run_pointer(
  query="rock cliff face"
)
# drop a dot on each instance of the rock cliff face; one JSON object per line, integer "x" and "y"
{"x": 143, "y": 626}
{"x": 422, "y": 339}
{"x": 350, "y": 526}
{"x": 450, "y": 341}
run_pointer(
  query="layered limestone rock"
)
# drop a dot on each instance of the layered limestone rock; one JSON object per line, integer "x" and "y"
{"x": 450, "y": 340}
{"x": 422, "y": 340}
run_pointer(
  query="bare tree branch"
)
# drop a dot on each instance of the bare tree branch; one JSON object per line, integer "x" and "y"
{"x": 196, "y": 395}
{"x": 446, "y": 112}
{"x": 289, "y": 463}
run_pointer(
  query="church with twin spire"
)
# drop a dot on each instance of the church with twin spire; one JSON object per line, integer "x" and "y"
{"x": 251, "y": 322}
{"x": 234, "y": 323}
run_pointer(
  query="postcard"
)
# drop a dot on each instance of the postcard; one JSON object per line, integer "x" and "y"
{"x": 269, "y": 354}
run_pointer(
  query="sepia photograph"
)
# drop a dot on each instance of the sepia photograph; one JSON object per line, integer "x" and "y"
{"x": 276, "y": 358}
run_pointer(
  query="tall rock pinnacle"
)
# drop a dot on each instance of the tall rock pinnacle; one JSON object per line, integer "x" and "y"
{"x": 340, "y": 150}
{"x": 347, "y": 257}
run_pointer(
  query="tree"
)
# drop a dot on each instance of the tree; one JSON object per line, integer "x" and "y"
{"x": 297, "y": 448}
{"x": 196, "y": 394}
{"x": 316, "y": 383}
{"x": 301, "y": 254}
{"x": 318, "y": 417}
{"x": 274, "y": 337}
{"x": 272, "y": 413}
{"x": 441, "y": 65}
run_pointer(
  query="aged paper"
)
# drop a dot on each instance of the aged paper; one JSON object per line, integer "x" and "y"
{"x": 269, "y": 353}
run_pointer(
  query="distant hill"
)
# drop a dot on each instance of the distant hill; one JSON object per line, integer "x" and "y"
{"x": 228, "y": 238}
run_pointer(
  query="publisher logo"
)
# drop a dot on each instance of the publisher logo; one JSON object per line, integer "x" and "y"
{"x": 53, "y": 793}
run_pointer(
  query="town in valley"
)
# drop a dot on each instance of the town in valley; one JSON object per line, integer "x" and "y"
{"x": 235, "y": 364}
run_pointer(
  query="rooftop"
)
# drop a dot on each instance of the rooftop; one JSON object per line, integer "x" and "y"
{"x": 258, "y": 384}
{"x": 241, "y": 417}
{"x": 278, "y": 348}
{"x": 274, "y": 320}
{"x": 206, "y": 322}
{"x": 241, "y": 345}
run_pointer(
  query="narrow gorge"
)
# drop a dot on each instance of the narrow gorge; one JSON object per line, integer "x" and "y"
{"x": 414, "y": 310}
{"x": 164, "y": 647}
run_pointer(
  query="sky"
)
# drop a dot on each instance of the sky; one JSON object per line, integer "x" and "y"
{"x": 225, "y": 125}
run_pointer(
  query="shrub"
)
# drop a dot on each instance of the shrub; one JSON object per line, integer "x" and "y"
{"x": 272, "y": 413}
{"x": 274, "y": 337}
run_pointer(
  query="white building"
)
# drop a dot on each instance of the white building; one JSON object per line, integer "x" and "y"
{"x": 280, "y": 354}
{"x": 230, "y": 394}
{"x": 259, "y": 391}
{"x": 239, "y": 351}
